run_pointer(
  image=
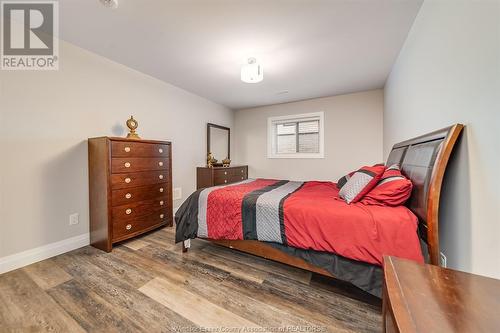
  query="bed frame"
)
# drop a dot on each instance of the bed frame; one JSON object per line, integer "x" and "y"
{"x": 423, "y": 160}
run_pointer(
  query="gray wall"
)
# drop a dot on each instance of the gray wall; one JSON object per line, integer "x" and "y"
{"x": 46, "y": 120}
{"x": 447, "y": 72}
{"x": 353, "y": 137}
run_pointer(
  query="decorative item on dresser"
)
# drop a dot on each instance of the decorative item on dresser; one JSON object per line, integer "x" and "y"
{"x": 130, "y": 188}
{"x": 428, "y": 298}
{"x": 212, "y": 176}
{"x": 132, "y": 124}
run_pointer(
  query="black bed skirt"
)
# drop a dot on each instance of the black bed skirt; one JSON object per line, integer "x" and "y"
{"x": 367, "y": 277}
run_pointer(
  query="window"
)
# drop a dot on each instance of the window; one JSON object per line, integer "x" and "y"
{"x": 296, "y": 136}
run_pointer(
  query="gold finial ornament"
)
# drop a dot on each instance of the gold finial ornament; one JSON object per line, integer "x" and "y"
{"x": 209, "y": 160}
{"x": 132, "y": 124}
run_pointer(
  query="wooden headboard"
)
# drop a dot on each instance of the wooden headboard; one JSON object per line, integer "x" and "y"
{"x": 423, "y": 160}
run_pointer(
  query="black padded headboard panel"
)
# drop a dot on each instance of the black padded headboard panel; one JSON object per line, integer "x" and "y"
{"x": 396, "y": 156}
{"x": 417, "y": 165}
{"x": 423, "y": 160}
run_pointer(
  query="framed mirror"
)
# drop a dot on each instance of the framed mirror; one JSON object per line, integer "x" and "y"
{"x": 218, "y": 142}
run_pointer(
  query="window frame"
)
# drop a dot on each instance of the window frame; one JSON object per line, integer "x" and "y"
{"x": 272, "y": 136}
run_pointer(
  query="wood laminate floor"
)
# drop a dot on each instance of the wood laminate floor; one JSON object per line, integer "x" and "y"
{"x": 148, "y": 285}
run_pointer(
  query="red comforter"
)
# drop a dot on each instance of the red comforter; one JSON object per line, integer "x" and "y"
{"x": 315, "y": 217}
{"x": 306, "y": 215}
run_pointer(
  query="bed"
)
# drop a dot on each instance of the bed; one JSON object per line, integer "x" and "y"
{"x": 307, "y": 225}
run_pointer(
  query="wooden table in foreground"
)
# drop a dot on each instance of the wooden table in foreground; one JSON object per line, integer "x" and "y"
{"x": 426, "y": 298}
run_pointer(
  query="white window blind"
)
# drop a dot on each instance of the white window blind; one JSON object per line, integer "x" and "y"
{"x": 297, "y": 136}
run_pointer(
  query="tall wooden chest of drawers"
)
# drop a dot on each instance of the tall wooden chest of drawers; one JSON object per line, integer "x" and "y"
{"x": 206, "y": 177}
{"x": 130, "y": 188}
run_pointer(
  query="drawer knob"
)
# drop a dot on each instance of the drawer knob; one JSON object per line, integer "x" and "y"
{"x": 242, "y": 177}
{"x": 127, "y": 164}
{"x": 160, "y": 176}
{"x": 161, "y": 203}
{"x": 128, "y": 180}
{"x": 128, "y": 196}
{"x": 160, "y": 163}
{"x": 161, "y": 216}
{"x": 225, "y": 172}
{"x": 127, "y": 149}
{"x": 161, "y": 189}
{"x": 160, "y": 150}
{"x": 128, "y": 227}
{"x": 128, "y": 211}
{"x": 225, "y": 180}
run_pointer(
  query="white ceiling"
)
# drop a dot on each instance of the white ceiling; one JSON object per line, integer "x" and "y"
{"x": 310, "y": 48}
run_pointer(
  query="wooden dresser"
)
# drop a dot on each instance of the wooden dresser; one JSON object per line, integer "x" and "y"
{"x": 130, "y": 188}
{"x": 206, "y": 177}
{"x": 426, "y": 298}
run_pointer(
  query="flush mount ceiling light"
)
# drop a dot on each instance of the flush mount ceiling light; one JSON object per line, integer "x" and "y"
{"x": 252, "y": 72}
{"x": 109, "y": 3}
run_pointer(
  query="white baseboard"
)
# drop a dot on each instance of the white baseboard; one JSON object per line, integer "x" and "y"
{"x": 21, "y": 259}
{"x": 31, "y": 256}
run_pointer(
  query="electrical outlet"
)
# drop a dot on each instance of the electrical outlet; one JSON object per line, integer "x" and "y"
{"x": 442, "y": 258}
{"x": 177, "y": 193}
{"x": 74, "y": 219}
